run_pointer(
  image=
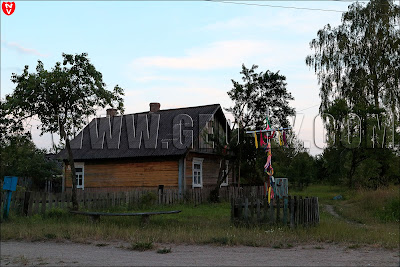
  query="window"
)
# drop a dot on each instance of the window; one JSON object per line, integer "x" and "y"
{"x": 197, "y": 169}
{"x": 79, "y": 174}
{"x": 225, "y": 182}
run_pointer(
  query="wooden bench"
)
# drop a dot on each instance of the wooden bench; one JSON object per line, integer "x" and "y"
{"x": 145, "y": 216}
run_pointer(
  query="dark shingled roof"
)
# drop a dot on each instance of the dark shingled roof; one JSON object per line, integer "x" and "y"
{"x": 165, "y": 132}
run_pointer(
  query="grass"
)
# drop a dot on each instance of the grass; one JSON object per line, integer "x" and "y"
{"x": 371, "y": 207}
{"x": 142, "y": 246}
{"x": 210, "y": 224}
{"x": 325, "y": 193}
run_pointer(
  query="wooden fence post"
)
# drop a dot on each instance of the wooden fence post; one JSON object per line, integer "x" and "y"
{"x": 278, "y": 210}
{"x": 44, "y": 203}
{"x": 26, "y": 203}
{"x": 265, "y": 219}
{"x": 292, "y": 206}
{"x": 296, "y": 210}
{"x": 285, "y": 210}
{"x": 246, "y": 210}
{"x": 271, "y": 212}
{"x": 30, "y": 204}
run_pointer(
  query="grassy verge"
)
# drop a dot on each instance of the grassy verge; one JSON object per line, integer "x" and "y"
{"x": 203, "y": 224}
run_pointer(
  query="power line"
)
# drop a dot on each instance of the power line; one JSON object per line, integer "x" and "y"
{"x": 308, "y": 108}
{"x": 266, "y": 5}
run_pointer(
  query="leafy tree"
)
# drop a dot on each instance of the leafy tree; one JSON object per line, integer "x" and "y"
{"x": 359, "y": 61}
{"x": 301, "y": 170}
{"x": 358, "y": 69}
{"x": 20, "y": 157}
{"x": 62, "y": 98}
{"x": 10, "y": 126}
{"x": 260, "y": 94}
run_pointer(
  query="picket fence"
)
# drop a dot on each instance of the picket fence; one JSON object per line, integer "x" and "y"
{"x": 29, "y": 203}
{"x": 291, "y": 211}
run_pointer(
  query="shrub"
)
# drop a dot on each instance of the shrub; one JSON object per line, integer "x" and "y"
{"x": 56, "y": 213}
{"x": 142, "y": 246}
{"x": 390, "y": 212}
{"x": 148, "y": 199}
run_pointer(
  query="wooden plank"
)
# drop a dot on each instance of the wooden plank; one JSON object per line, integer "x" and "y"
{"x": 44, "y": 203}
{"x": 278, "y": 210}
{"x": 240, "y": 208}
{"x": 13, "y": 201}
{"x": 57, "y": 200}
{"x": 291, "y": 209}
{"x": 285, "y": 210}
{"x": 297, "y": 208}
{"x": 92, "y": 200}
{"x": 232, "y": 210}
{"x": 301, "y": 210}
{"x": 50, "y": 201}
{"x": 271, "y": 212}
{"x": 1, "y": 203}
{"x": 308, "y": 210}
{"x": 36, "y": 203}
{"x": 246, "y": 209}
{"x": 21, "y": 196}
{"x": 312, "y": 211}
{"x": 317, "y": 210}
{"x": 26, "y": 203}
{"x": 265, "y": 219}
{"x": 251, "y": 209}
{"x": 62, "y": 200}
{"x": 30, "y": 204}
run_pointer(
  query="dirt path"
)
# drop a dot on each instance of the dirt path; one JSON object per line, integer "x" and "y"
{"x": 331, "y": 210}
{"x": 67, "y": 254}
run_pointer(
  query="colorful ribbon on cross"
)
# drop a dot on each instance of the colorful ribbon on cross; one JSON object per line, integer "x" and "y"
{"x": 265, "y": 142}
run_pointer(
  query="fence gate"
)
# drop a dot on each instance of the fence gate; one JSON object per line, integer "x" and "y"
{"x": 291, "y": 211}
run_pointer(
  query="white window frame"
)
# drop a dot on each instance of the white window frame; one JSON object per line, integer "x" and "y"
{"x": 80, "y": 165}
{"x": 226, "y": 182}
{"x": 200, "y": 162}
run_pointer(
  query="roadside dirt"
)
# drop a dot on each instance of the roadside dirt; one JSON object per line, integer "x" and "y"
{"x": 15, "y": 253}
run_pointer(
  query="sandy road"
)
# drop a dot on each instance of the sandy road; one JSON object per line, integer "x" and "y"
{"x": 67, "y": 254}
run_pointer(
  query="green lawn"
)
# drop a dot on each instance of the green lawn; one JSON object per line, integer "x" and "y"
{"x": 210, "y": 224}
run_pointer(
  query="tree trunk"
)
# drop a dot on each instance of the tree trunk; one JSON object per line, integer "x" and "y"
{"x": 214, "y": 194}
{"x": 75, "y": 204}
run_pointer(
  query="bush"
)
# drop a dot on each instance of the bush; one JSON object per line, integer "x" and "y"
{"x": 56, "y": 213}
{"x": 142, "y": 246}
{"x": 148, "y": 199}
{"x": 390, "y": 212}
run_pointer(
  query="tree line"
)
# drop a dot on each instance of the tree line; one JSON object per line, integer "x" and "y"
{"x": 358, "y": 69}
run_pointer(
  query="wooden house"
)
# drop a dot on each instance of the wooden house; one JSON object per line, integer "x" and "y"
{"x": 172, "y": 148}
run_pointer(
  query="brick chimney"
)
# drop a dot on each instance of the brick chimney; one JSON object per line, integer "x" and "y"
{"x": 154, "y": 107}
{"x": 111, "y": 112}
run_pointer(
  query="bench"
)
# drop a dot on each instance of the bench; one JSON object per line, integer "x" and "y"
{"x": 145, "y": 216}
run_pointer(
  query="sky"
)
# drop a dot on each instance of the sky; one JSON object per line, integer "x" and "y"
{"x": 177, "y": 53}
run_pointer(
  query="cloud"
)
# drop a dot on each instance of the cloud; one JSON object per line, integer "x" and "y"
{"x": 215, "y": 55}
{"x": 23, "y": 50}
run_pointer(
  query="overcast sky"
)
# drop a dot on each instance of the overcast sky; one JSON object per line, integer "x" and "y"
{"x": 177, "y": 53}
